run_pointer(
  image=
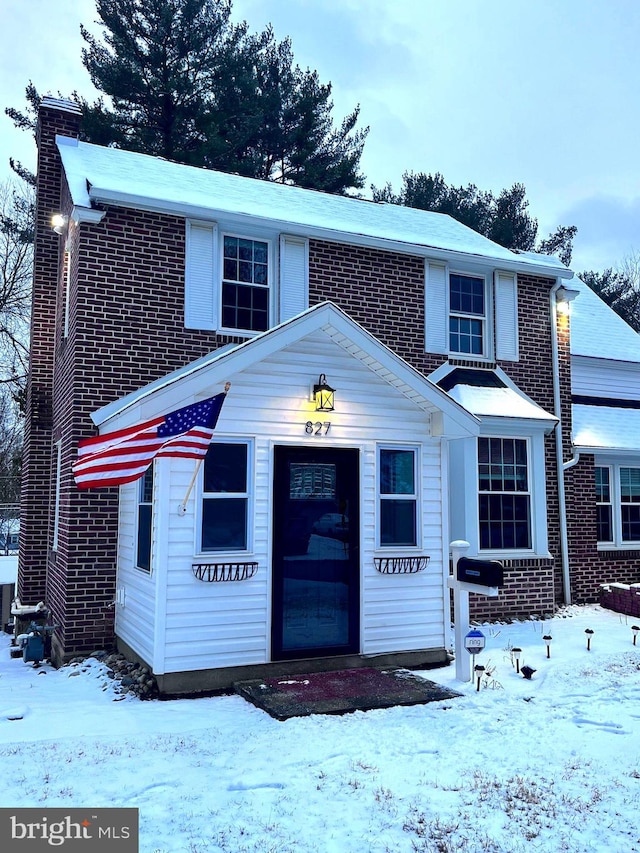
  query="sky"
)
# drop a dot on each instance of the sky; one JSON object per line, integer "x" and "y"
{"x": 545, "y": 764}
{"x": 490, "y": 93}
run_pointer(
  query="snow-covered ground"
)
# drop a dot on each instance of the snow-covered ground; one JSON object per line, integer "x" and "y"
{"x": 551, "y": 764}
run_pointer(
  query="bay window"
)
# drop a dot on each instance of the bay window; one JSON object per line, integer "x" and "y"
{"x": 504, "y": 495}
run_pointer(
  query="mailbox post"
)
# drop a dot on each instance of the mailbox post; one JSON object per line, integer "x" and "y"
{"x": 487, "y": 577}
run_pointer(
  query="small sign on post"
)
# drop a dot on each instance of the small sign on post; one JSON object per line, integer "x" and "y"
{"x": 474, "y": 643}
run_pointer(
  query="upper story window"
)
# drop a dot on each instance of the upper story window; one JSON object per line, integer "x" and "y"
{"x": 504, "y": 495}
{"x": 618, "y": 505}
{"x": 245, "y": 284}
{"x": 467, "y": 314}
{"x": 471, "y": 314}
{"x": 398, "y": 492}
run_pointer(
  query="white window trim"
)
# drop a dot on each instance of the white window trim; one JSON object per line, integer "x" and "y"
{"x": 438, "y": 309}
{"x": 487, "y": 324}
{"x": 537, "y": 494}
{"x": 249, "y": 495}
{"x": 617, "y": 543}
{"x": 416, "y": 497}
{"x": 272, "y": 278}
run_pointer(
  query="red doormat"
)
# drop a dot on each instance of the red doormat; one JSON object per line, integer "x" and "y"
{"x": 340, "y": 692}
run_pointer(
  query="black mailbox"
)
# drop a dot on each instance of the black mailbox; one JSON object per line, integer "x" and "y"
{"x": 481, "y": 572}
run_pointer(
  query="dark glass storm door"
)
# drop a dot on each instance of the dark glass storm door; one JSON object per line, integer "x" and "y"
{"x": 316, "y": 556}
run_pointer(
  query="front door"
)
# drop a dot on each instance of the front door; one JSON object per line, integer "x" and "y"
{"x": 316, "y": 565}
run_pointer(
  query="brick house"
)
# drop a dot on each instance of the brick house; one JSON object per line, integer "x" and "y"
{"x": 306, "y": 534}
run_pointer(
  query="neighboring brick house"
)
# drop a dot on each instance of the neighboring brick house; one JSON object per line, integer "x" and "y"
{"x": 452, "y": 372}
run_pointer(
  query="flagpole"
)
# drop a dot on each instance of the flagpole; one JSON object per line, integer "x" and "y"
{"x": 182, "y": 508}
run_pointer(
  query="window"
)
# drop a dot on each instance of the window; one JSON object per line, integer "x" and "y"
{"x": 504, "y": 497}
{"x": 66, "y": 284}
{"x": 630, "y": 500}
{"x": 467, "y": 314}
{"x": 145, "y": 517}
{"x": 225, "y": 498}
{"x": 398, "y": 496}
{"x": 618, "y": 504}
{"x": 56, "y": 508}
{"x": 245, "y": 284}
{"x": 604, "y": 508}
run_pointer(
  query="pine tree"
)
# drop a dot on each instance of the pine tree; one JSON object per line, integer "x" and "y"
{"x": 180, "y": 80}
{"x": 505, "y": 219}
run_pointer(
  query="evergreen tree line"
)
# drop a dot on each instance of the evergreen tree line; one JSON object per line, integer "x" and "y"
{"x": 179, "y": 79}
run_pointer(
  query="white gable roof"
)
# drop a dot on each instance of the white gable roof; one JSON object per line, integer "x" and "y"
{"x": 597, "y": 331}
{"x": 339, "y": 328}
{"x": 113, "y": 176}
{"x": 500, "y": 403}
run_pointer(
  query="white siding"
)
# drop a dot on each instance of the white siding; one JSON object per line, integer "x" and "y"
{"x": 210, "y": 625}
{"x": 593, "y": 377}
{"x": 135, "y": 619}
{"x": 404, "y": 612}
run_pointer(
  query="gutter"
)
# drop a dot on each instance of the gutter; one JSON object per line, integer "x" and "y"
{"x": 560, "y": 465}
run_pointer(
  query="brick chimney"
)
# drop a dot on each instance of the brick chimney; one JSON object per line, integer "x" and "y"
{"x": 61, "y": 117}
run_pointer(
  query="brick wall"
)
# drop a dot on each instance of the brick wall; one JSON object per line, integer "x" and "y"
{"x": 621, "y": 598}
{"x": 36, "y": 492}
{"x": 528, "y": 591}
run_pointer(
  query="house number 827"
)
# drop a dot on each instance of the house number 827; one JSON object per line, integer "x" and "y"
{"x": 317, "y": 427}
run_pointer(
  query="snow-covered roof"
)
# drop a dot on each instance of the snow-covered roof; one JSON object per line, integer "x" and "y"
{"x": 597, "y": 331}
{"x": 499, "y": 402}
{"x": 606, "y": 428}
{"x": 489, "y": 393}
{"x": 113, "y": 176}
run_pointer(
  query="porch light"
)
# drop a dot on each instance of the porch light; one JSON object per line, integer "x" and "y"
{"x": 564, "y": 298}
{"x": 60, "y": 223}
{"x": 323, "y": 395}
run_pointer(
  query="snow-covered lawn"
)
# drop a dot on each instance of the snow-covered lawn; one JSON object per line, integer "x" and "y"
{"x": 551, "y": 764}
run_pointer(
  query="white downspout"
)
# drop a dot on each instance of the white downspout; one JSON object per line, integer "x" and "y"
{"x": 560, "y": 467}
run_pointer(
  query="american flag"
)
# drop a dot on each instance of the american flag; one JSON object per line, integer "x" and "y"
{"x": 123, "y": 456}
